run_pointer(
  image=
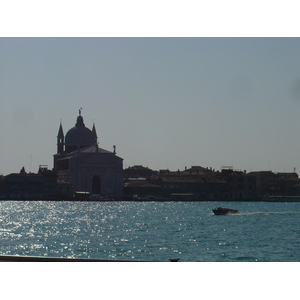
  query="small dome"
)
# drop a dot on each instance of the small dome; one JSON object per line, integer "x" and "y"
{"x": 79, "y": 136}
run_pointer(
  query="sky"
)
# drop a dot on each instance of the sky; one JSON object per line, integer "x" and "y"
{"x": 166, "y": 103}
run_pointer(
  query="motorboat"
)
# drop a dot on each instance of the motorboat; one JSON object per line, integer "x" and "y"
{"x": 224, "y": 211}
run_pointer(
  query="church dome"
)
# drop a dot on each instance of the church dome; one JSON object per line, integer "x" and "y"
{"x": 79, "y": 136}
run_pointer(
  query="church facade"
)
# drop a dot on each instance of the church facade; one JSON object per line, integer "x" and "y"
{"x": 84, "y": 166}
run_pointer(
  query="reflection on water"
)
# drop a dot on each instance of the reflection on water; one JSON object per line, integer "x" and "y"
{"x": 155, "y": 231}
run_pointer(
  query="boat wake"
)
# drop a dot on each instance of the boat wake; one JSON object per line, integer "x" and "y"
{"x": 268, "y": 213}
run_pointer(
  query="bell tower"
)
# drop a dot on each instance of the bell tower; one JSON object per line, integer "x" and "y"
{"x": 60, "y": 140}
{"x": 95, "y": 134}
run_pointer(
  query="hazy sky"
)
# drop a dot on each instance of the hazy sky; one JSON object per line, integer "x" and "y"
{"x": 164, "y": 102}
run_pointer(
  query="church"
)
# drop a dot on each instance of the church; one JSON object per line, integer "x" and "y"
{"x": 86, "y": 167}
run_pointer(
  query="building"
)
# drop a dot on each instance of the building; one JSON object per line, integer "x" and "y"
{"x": 135, "y": 189}
{"x": 183, "y": 186}
{"x": 276, "y": 184}
{"x": 24, "y": 185}
{"x": 137, "y": 171}
{"x": 85, "y": 166}
{"x": 196, "y": 183}
{"x": 242, "y": 186}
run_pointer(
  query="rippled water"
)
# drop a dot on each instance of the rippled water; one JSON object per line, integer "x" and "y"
{"x": 155, "y": 231}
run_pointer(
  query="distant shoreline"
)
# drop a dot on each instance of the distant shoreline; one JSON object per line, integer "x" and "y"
{"x": 149, "y": 200}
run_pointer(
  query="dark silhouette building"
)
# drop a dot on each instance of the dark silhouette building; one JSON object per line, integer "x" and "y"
{"x": 86, "y": 167}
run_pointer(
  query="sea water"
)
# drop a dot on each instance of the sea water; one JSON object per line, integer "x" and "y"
{"x": 151, "y": 231}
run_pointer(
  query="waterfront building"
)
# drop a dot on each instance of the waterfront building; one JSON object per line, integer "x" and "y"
{"x": 181, "y": 186}
{"x": 137, "y": 171}
{"x": 80, "y": 162}
{"x": 280, "y": 184}
{"x": 242, "y": 186}
{"x": 23, "y": 185}
{"x": 134, "y": 189}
